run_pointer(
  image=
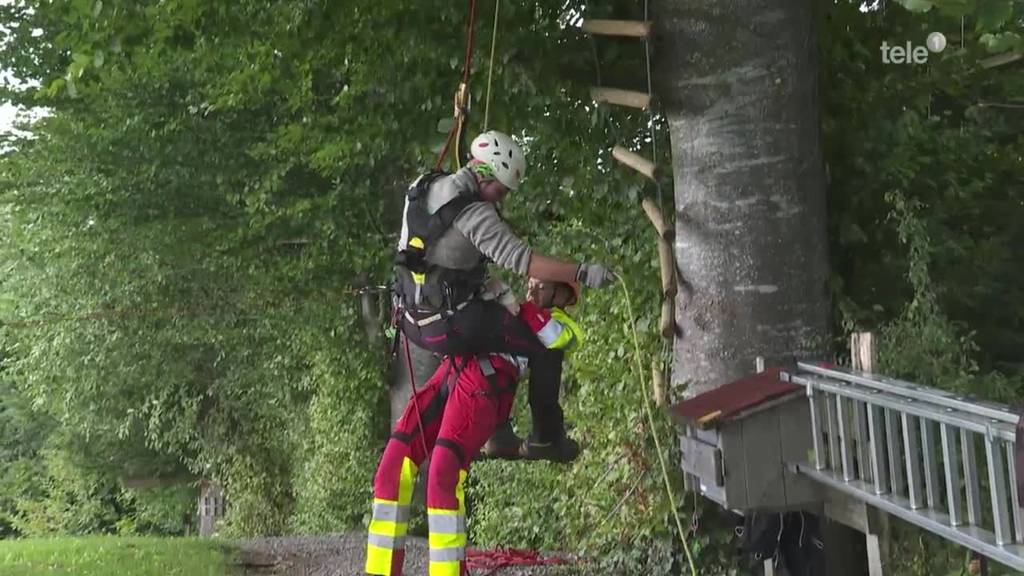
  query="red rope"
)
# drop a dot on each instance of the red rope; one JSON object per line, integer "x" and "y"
{"x": 415, "y": 401}
{"x": 495, "y": 560}
{"x": 468, "y": 61}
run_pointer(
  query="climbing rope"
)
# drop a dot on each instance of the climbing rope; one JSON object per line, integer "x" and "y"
{"x": 490, "y": 64}
{"x": 461, "y": 103}
{"x": 650, "y": 109}
{"x": 415, "y": 400}
{"x": 654, "y": 432}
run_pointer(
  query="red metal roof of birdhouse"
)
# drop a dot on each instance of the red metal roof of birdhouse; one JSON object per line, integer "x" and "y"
{"x": 734, "y": 399}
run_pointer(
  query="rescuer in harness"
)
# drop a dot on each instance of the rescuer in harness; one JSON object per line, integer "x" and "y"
{"x": 451, "y": 229}
{"x": 449, "y": 419}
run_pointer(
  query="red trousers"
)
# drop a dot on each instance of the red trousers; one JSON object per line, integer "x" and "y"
{"x": 459, "y": 408}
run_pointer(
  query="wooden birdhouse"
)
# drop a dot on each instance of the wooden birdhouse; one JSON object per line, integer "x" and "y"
{"x": 737, "y": 439}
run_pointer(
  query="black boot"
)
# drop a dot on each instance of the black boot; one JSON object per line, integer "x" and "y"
{"x": 562, "y": 450}
{"x": 503, "y": 444}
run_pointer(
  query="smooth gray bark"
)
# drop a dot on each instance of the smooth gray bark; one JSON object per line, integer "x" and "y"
{"x": 738, "y": 80}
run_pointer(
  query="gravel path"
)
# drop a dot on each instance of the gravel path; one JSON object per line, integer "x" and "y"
{"x": 343, "y": 555}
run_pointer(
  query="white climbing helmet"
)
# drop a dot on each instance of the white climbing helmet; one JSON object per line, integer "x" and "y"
{"x": 502, "y": 154}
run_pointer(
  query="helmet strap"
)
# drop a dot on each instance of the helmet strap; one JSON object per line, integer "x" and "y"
{"x": 483, "y": 170}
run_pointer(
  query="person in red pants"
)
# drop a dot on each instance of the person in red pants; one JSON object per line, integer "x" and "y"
{"x": 450, "y": 418}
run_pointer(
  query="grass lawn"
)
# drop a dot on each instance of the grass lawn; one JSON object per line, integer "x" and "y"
{"x": 113, "y": 556}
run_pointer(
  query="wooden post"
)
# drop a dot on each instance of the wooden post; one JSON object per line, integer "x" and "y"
{"x": 635, "y": 161}
{"x": 628, "y": 28}
{"x": 863, "y": 351}
{"x": 641, "y": 100}
{"x": 864, "y": 358}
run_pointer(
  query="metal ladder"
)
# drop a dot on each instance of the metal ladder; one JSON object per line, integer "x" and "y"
{"x": 912, "y": 451}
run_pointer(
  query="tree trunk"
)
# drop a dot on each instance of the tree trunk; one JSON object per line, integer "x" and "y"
{"x": 424, "y": 363}
{"x": 739, "y": 85}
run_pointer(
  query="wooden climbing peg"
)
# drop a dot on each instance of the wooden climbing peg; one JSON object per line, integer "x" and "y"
{"x": 650, "y": 207}
{"x": 628, "y": 28}
{"x": 641, "y": 100}
{"x": 1001, "y": 59}
{"x": 635, "y": 161}
{"x": 668, "y": 267}
{"x": 668, "y": 318}
{"x": 658, "y": 382}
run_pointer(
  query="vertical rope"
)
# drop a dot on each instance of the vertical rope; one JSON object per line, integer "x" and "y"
{"x": 650, "y": 110}
{"x": 646, "y": 396}
{"x": 490, "y": 66}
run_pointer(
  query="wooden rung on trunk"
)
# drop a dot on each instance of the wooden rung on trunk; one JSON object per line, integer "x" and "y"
{"x": 630, "y": 28}
{"x": 668, "y": 318}
{"x": 630, "y": 98}
{"x": 635, "y": 161}
{"x": 668, "y": 269}
{"x": 1001, "y": 59}
{"x": 658, "y": 383}
{"x": 650, "y": 207}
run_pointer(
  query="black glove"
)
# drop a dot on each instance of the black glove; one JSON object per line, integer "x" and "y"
{"x": 594, "y": 275}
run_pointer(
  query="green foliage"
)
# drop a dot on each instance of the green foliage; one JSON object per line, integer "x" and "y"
{"x": 926, "y": 165}
{"x": 102, "y": 556}
{"x": 163, "y": 315}
{"x": 923, "y": 138}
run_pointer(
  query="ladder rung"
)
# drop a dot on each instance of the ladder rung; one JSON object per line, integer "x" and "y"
{"x": 879, "y": 472}
{"x": 668, "y": 318}
{"x": 997, "y": 490}
{"x": 650, "y": 207}
{"x": 949, "y": 460}
{"x": 969, "y": 460}
{"x": 1001, "y": 59}
{"x": 813, "y": 397}
{"x": 929, "y": 451}
{"x": 912, "y": 454}
{"x": 667, "y": 265}
{"x": 1015, "y": 512}
{"x": 629, "y": 98}
{"x": 630, "y": 28}
{"x": 635, "y": 161}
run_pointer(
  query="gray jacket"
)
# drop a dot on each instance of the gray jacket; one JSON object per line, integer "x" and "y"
{"x": 477, "y": 230}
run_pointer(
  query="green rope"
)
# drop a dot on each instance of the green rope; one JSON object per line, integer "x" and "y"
{"x": 654, "y": 432}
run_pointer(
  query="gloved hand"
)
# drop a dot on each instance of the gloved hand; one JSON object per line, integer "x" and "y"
{"x": 594, "y": 275}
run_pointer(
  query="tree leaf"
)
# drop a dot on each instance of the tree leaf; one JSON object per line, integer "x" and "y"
{"x": 992, "y": 14}
{"x": 917, "y": 5}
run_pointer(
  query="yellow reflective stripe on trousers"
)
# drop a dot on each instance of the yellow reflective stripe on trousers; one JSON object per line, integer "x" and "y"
{"x": 390, "y": 510}
{"x": 407, "y": 481}
{"x": 452, "y": 568}
{"x": 448, "y": 534}
{"x": 378, "y": 560}
{"x": 389, "y": 523}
